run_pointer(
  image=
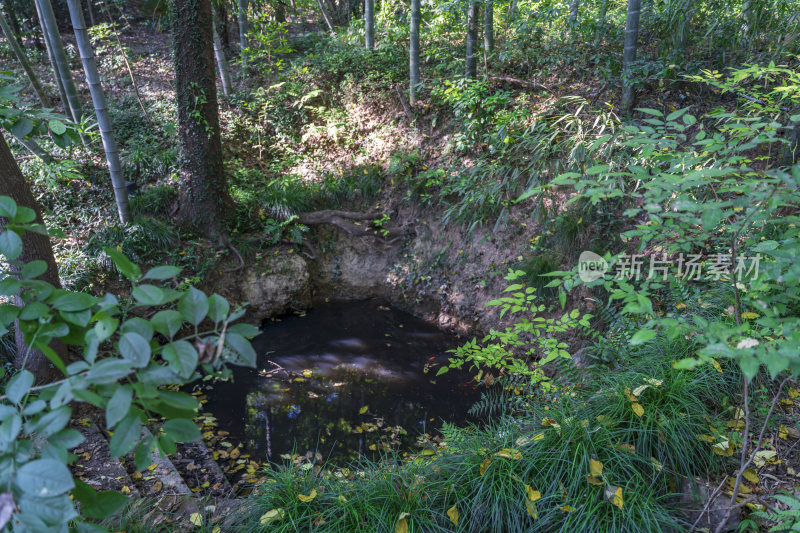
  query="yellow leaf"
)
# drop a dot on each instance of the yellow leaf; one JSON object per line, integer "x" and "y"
{"x": 158, "y": 486}
{"x": 654, "y": 382}
{"x": 626, "y": 447}
{"x": 452, "y": 514}
{"x": 363, "y": 410}
{"x": 751, "y": 476}
{"x": 305, "y": 499}
{"x": 402, "y": 523}
{"x": 750, "y": 315}
{"x": 485, "y": 464}
{"x": 593, "y": 480}
{"x": 637, "y": 408}
{"x": 680, "y": 305}
{"x": 716, "y": 365}
{"x": 307, "y": 373}
{"x": 196, "y": 519}
{"x": 595, "y": 467}
{"x": 567, "y": 508}
{"x": 342, "y": 499}
{"x": 152, "y": 467}
{"x": 658, "y": 466}
{"x": 614, "y": 495}
{"x": 763, "y": 457}
{"x": 640, "y": 389}
{"x": 549, "y": 422}
{"x": 216, "y": 529}
{"x": 793, "y": 393}
{"x": 630, "y": 396}
{"x": 532, "y": 494}
{"x": 509, "y": 453}
{"x": 271, "y": 516}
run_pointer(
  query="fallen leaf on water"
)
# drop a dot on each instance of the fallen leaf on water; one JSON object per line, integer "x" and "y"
{"x": 363, "y": 410}
{"x": 509, "y": 453}
{"x": 271, "y": 516}
{"x": 305, "y": 499}
{"x": 452, "y": 514}
{"x": 637, "y": 408}
{"x": 402, "y": 523}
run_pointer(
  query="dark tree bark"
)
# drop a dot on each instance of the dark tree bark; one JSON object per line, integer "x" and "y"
{"x": 34, "y": 247}
{"x": 204, "y": 195}
{"x": 472, "y": 39}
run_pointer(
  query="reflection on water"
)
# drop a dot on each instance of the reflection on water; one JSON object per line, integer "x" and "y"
{"x": 346, "y": 379}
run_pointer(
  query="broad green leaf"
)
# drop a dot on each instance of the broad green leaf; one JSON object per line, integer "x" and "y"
{"x": 243, "y": 347}
{"x": 182, "y": 358}
{"x": 118, "y": 406}
{"x": 160, "y": 273}
{"x": 218, "y": 308}
{"x": 71, "y": 301}
{"x": 181, "y": 430}
{"x": 126, "y": 435}
{"x": 8, "y": 207}
{"x": 167, "y": 322}
{"x": 34, "y": 269}
{"x": 193, "y": 306}
{"x": 44, "y": 478}
{"x": 10, "y": 244}
{"x": 109, "y": 371}
{"x": 149, "y": 295}
{"x": 18, "y": 386}
{"x": 52, "y": 422}
{"x": 135, "y": 348}
{"x": 124, "y": 265}
{"x": 642, "y": 336}
{"x": 57, "y": 127}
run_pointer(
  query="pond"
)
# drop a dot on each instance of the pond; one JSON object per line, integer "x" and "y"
{"x": 344, "y": 380}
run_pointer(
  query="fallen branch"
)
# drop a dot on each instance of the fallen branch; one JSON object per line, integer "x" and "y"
{"x": 405, "y": 104}
{"x": 348, "y": 221}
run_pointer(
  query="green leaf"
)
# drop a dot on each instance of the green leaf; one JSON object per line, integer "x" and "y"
{"x": 34, "y": 269}
{"x": 711, "y": 217}
{"x": 126, "y": 435}
{"x": 148, "y": 295}
{"x": 104, "y": 504}
{"x": 642, "y": 336}
{"x": 109, "y": 371}
{"x": 10, "y": 244}
{"x": 22, "y": 127}
{"x": 245, "y": 330}
{"x": 18, "y": 386}
{"x": 182, "y": 358}
{"x": 193, "y": 306}
{"x": 243, "y": 347}
{"x": 167, "y": 322}
{"x": 71, "y": 301}
{"x": 135, "y": 348}
{"x": 8, "y": 313}
{"x": 118, "y": 406}
{"x": 8, "y": 207}
{"x": 44, "y": 478}
{"x": 649, "y": 111}
{"x": 442, "y": 370}
{"x": 57, "y": 127}
{"x": 181, "y": 430}
{"x": 218, "y": 308}
{"x": 124, "y": 265}
{"x": 52, "y": 422}
{"x": 160, "y": 273}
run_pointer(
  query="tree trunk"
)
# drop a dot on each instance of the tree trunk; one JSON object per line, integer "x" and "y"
{"x": 629, "y": 55}
{"x": 101, "y": 110}
{"x": 224, "y": 30}
{"x": 488, "y": 27}
{"x": 90, "y": 11}
{"x": 204, "y": 195}
{"x": 243, "y": 29}
{"x": 573, "y": 11}
{"x": 23, "y": 60}
{"x": 369, "y": 23}
{"x": 34, "y": 247}
{"x": 222, "y": 63}
{"x": 280, "y": 12}
{"x": 472, "y": 39}
{"x": 601, "y": 22}
{"x": 325, "y": 15}
{"x": 413, "y": 51}
{"x": 51, "y": 55}
{"x": 61, "y": 64}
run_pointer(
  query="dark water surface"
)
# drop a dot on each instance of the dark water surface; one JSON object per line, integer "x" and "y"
{"x": 348, "y": 378}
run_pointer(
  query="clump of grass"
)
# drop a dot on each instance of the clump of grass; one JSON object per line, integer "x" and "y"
{"x": 143, "y": 240}
{"x": 156, "y": 200}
